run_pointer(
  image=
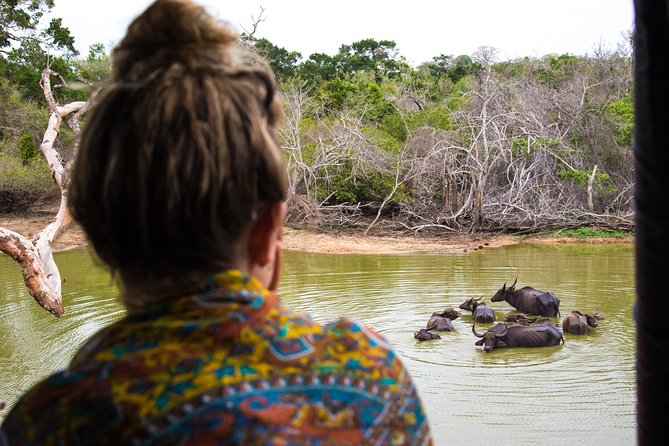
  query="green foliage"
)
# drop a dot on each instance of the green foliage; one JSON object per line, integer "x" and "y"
{"x": 463, "y": 66}
{"x": 369, "y": 55}
{"x": 438, "y": 118}
{"x": 457, "y": 99}
{"x": 362, "y": 96}
{"x": 455, "y": 68}
{"x": 345, "y": 187}
{"x": 556, "y": 68}
{"x": 17, "y": 17}
{"x": 96, "y": 67}
{"x": 523, "y": 146}
{"x": 21, "y": 184}
{"x": 395, "y": 127}
{"x": 512, "y": 69}
{"x": 389, "y": 136}
{"x": 427, "y": 80}
{"x": 580, "y": 178}
{"x": 18, "y": 117}
{"x": 587, "y": 232}
{"x": 27, "y": 149}
{"x": 317, "y": 68}
{"x": 283, "y": 62}
{"x": 335, "y": 94}
{"x": 621, "y": 113}
{"x": 393, "y": 130}
{"x": 30, "y": 44}
{"x": 59, "y": 37}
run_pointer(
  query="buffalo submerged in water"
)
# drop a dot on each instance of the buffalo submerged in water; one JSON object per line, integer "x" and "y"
{"x": 529, "y": 300}
{"x": 578, "y": 323}
{"x": 480, "y": 311}
{"x": 502, "y": 335}
{"x": 438, "y": 321}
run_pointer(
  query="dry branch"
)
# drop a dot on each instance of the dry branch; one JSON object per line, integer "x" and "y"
{"x": 39, "y": 269}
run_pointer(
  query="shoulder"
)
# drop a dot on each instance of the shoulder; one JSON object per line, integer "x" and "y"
{"x": 51, "y": 407}
{"x": 360, "y": 348}
{"x": 350, "y": 328}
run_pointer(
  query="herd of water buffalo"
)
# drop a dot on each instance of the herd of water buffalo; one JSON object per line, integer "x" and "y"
{"x": 517, "y": 330}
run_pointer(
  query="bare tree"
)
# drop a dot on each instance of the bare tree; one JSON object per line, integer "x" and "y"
{"x": 40, "y": 272}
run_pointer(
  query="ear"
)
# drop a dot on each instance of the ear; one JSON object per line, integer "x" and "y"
{"x": 501, "y": 343}
{"x": 264, "y": 245}
{"x": 479, "y": 342}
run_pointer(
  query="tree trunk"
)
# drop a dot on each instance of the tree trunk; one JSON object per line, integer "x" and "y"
{"x": 591, "y": 181}
{"x": 40, "y": 272}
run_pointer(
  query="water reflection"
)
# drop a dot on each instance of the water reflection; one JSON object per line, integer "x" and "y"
{"x": 582, "y": 392}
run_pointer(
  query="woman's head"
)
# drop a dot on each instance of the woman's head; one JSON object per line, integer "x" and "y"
{"x": 178, "y": 155}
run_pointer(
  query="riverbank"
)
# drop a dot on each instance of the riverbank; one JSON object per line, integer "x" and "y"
{"x": 29, "y": 224}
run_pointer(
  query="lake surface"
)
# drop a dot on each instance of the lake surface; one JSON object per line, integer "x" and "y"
{"x": 582, "y": 392}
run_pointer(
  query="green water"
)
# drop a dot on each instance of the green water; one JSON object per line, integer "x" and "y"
{"x": 581, "y": 392}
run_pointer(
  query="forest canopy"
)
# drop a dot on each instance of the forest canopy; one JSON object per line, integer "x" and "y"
{"x": 459, "y": 142}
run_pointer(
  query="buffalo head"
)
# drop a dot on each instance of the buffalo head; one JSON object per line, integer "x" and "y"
{"x": 470, "y": 304}
{"x": 425, "y": 335}
{"x": 501, "y": 294}
{"x": 491, "y": 339}
{"x": 449, "y": 313}
{"x": 592, "y": 317}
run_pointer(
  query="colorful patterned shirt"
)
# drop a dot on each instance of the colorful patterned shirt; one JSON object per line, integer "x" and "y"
{"x": 226, "y": 365}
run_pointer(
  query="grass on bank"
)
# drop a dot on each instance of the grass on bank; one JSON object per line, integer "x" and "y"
{"x": 588, "y": 232}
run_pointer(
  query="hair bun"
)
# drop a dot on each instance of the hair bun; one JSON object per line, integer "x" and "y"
{"x": 173, "y": 32}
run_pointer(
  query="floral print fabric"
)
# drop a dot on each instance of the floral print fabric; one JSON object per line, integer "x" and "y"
{"x": 228, "y": 364}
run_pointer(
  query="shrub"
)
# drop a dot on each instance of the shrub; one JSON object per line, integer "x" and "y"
{"x": 21, "y": 185}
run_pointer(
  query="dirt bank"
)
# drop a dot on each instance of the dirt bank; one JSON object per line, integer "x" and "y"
{"x": 31, "y": 223}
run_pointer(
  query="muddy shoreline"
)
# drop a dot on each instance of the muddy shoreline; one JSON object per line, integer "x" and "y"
{"x": 29, "y": 224}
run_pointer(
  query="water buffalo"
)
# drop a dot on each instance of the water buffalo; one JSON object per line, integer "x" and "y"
{"x": 425, "y": 335}
{"x": 480, "y": 311}
{"x": 439, "y": 323}
{"x": 449, "y": 312}
{"x": 507, "y": 336}
{"x": 442, "y": 321}
{"x": 520, "y": 319}
{"x": 529, "y": 300}
{"x": 578, "y": 323}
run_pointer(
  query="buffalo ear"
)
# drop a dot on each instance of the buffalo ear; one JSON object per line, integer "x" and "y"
{"x": 501, "y": 343}
{"x": 479, "y": 342}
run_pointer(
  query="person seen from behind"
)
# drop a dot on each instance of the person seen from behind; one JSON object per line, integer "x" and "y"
{"x": 181, "y": 187}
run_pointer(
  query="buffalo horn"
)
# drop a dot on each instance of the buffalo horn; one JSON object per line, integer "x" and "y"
{"x": 504, "y": 286}
{"x": 474, "y": 330}
{"x": 514, "y": 283}
{"x": 478, "y": 299}
{"x": 499, "y": 335}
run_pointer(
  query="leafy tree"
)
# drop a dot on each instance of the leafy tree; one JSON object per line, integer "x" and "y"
{"x": 96, "y": 67}
{"x": 369, "y": 55}
{"x": 318, "y": 67}
{"x": 20, "y": 19}
{"x": 463, "y": 66}
{"x": 621, "y": 113}
{"x": 439, "y": 65}
{"x": 455, "y": 68}
{"x": 26, "y": 47}
{"x": 284, "y": 63}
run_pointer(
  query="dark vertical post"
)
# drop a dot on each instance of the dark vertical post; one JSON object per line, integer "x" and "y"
{"x": 651, "y": 150}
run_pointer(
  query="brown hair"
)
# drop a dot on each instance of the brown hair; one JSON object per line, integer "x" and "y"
{"x": 179, "y": 152}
